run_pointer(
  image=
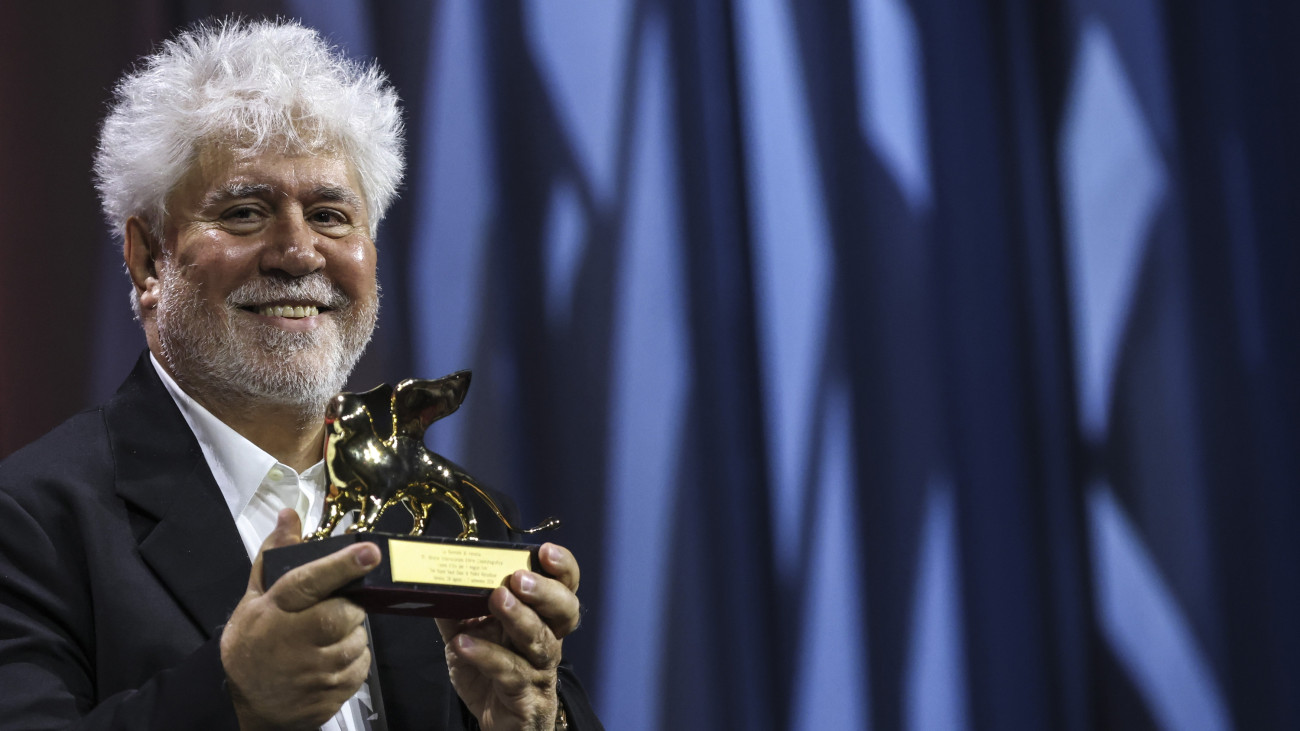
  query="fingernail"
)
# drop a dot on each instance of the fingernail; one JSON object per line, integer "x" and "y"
{"x": 552, "y": 553}
{"x": 527, "y": 583}
{"x": 367, "y": 556}
{"x": 464, "y": 641}
{"x": 509, "y": 602}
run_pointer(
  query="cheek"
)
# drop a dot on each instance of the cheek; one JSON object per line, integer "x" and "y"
{"x": 219, "y": 264}
{"x": 354, "y": 269}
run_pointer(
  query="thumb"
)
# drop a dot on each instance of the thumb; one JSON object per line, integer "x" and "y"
{"x": 287, "y": 531}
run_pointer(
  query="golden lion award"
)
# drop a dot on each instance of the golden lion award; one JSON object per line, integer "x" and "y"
{"x": 375, "y": 458}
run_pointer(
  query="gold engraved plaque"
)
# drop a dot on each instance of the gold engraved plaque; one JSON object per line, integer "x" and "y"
{"x": 454, "y": 564}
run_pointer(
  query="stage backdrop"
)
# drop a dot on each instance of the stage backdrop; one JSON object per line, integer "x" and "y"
{"x": 892, "y": 363}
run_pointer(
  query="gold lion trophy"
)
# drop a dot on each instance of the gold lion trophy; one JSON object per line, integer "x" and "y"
{"x": 375, "y": 457}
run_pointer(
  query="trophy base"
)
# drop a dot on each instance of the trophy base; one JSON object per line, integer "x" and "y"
{"x": 425, "y": 576}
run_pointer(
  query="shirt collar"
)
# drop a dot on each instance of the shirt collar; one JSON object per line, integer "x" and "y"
{"x": 238, "y": 465}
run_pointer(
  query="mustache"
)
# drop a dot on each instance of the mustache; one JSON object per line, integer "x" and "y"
{"x": 314, "y": 287}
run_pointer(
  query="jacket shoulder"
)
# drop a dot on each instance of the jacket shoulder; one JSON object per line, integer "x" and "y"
{"x": 76, "y": 453}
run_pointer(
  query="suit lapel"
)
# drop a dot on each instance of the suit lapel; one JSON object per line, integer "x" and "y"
{"x": 186, "y": 534}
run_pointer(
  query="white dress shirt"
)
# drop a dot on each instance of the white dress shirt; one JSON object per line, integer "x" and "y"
{"x": 256, "y": 487}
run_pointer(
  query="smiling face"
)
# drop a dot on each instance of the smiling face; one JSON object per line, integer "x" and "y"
{"x": 265, "y": 287}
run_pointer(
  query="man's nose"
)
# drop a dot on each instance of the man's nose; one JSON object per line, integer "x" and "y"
{"x": 293, "y": 248}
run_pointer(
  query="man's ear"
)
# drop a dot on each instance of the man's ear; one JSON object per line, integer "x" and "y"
{"x": 141, "y": 251}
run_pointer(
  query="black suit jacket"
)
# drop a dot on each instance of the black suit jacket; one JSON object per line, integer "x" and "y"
{"x": 119, "y": 564}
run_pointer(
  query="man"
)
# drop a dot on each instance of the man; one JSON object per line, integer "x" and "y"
{"x": 246, "y": 167}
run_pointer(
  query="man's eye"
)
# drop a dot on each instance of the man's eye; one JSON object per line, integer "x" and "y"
{"x": 328, "y": 217}
{"x": 243, "y": 214}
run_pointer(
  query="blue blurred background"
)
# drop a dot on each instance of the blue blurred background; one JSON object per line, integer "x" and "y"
{"x": 893, "y": 363}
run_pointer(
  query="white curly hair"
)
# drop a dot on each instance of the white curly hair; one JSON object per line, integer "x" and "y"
{"x": 254, "y": 85}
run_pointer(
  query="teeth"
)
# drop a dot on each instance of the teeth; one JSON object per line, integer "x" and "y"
{"x": 289, "y": 311}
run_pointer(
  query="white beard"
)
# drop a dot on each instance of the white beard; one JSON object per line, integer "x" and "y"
{"x": 208, "y": 352}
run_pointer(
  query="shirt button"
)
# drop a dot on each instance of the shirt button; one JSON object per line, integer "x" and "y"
{"x": 276, "y": 473}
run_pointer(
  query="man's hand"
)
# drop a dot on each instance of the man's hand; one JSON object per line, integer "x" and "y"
{"x": 503, "y": 666}
{"x": 292, "y": 654}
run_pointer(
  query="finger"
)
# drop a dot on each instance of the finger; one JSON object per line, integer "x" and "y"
{"x": 530, "y": 637}
{"x": 343, "y": 653}
{"x": 314, "y": 582}
{"x": 448, "y": 628}
{"x": 510, "y": 673}
{"x": 355, "y": 674}
{"x": 340, "y": 684}
{"x": 486, "y": 626}
{"x": 331, "y": 621}
{"x": 553, "y": 600}
{"x": 287, "y": 531}
{"x": 560, "y": 563}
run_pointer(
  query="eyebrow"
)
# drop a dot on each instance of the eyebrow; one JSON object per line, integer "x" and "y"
{"x": 338, "y": 194}
{"x": 235, "y": 191}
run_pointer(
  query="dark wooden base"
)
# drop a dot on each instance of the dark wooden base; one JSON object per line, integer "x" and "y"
{"x": 378, "y": 592}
